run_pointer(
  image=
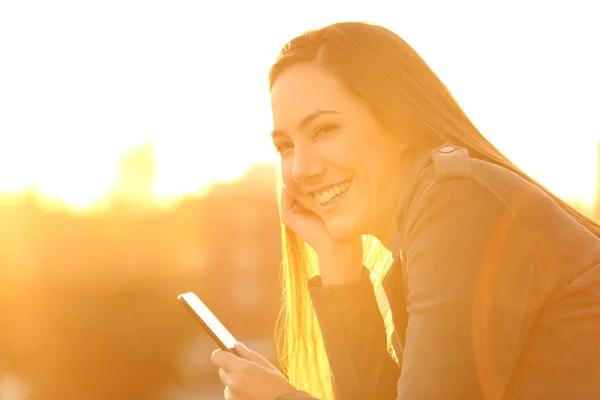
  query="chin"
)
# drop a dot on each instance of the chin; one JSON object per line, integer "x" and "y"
{"x": 344, "y": 228}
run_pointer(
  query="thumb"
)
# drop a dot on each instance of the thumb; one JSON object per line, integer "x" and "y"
{"x": 251, "y": 355}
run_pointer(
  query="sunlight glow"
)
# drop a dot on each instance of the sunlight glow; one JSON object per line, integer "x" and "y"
{"x": 84, "y": 86}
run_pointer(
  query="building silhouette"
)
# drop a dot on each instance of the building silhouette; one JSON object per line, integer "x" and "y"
{"x": 88, "y": 305}
{"x": 134, "y": 188}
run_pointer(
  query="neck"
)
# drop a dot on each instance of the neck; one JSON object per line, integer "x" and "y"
{"x": 388, "y": 236}
{"x": 412, "y": 164}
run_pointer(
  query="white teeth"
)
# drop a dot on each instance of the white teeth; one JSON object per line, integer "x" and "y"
{"x": 329, "y": 194}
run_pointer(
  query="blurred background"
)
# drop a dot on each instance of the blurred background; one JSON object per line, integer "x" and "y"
{"x": 135, "y": 164}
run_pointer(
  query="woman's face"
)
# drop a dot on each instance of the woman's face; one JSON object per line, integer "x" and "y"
{"x": 336, "y": 158}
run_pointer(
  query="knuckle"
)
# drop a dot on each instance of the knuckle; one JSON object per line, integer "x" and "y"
{"x": 244, "y": 368}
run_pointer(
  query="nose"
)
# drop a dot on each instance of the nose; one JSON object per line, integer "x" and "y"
{"x": 306, "y": 164}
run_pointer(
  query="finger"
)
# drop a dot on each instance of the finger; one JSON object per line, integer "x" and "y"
{"x": 227, "y": 360}
{"x": 226, "y": 377}
{"x": 229, "y": 395}
{"x": 251, "y": 355}
{"x": 289, "y": 204}
{"x": 233, "y": 383}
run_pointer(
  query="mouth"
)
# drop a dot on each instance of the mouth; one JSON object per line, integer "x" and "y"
{"x": 332, "y": 194}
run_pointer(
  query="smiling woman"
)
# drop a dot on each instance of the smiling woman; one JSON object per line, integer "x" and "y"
{"x": 492, "y": 274}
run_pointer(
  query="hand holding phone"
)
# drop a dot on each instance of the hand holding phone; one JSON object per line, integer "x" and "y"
{"x": 216, "y": 330}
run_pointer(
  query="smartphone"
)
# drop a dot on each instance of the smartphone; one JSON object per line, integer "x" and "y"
{"x": 217, "y": 331}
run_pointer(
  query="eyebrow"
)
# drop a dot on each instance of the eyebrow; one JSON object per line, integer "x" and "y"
{"x": 306, "y": 120}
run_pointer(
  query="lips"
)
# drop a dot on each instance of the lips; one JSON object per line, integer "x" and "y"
{"x": 332, "y": 193}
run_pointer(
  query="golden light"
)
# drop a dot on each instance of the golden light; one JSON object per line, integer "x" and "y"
{"x": 112, "y": 103}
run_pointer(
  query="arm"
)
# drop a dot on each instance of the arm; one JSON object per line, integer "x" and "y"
{"x": 355, "y": 339}
{"x": 470, "y": 274}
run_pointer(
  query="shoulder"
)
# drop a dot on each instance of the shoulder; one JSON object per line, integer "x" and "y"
{"x": 454, "y": 173}
{"x": 458, "y": 210}
{"x": 451, "y": 162}
{"x": 455, "y": 163}
{"x": 454, "y": 182}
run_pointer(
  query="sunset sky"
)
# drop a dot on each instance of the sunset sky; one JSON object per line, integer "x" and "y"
{"x": 82, "y": 83}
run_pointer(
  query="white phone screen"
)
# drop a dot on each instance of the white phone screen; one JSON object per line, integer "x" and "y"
{"x": 211, "y": 321}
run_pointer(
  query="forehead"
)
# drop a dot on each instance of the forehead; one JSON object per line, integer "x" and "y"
{"x": 304, "y": 89}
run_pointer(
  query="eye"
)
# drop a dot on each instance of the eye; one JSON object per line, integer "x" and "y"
{"x": 325, "y": 129}
{"x": 283, "y": 147}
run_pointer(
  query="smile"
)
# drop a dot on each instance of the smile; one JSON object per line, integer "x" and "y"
{"x": 332, "y": 194}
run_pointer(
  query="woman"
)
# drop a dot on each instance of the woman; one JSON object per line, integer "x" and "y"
{"x": 494, "y": 286}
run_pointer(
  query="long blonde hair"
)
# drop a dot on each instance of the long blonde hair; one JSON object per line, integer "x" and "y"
{"x": 408, "y": 97}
